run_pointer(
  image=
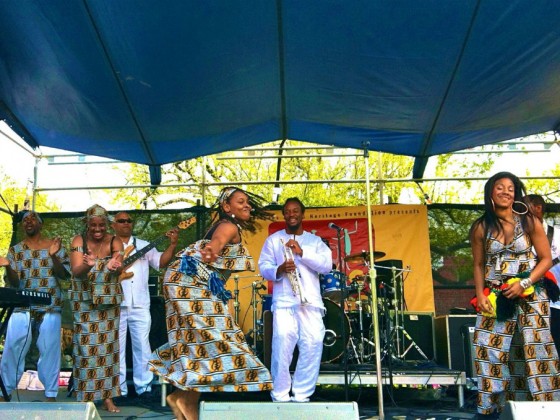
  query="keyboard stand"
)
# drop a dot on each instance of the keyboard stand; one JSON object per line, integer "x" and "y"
{"x": 5, "y": 315}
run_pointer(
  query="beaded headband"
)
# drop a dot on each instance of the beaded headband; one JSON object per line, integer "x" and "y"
{"x": 96, "y": 211}
{"x": 32, "y": 213}
{"x": 225, "y": 194}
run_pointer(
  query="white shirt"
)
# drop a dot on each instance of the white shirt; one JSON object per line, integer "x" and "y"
{"x": 136, "y": 290}
{"x": 316, "y": 259}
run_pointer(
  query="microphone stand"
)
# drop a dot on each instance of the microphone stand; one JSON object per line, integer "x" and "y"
{"x": 343, "y": 326}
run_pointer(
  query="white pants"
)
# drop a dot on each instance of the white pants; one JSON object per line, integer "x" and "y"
{"x": 302, "y": 326}
{"x": 138, "y": 321}
{"x": 18, "y": 341}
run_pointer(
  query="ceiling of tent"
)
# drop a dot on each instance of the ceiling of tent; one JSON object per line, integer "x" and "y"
{"x": 155, "y": 82}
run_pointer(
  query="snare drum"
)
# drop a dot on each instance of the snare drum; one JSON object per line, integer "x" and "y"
{"x": 331, "y": 284}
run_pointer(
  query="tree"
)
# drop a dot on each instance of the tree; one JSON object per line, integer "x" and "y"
{"x": 302, "y": 166}
{"x": 13, "y": 196}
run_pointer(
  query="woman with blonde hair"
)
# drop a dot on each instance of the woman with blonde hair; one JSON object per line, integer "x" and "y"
{"x": 96, "y": 294}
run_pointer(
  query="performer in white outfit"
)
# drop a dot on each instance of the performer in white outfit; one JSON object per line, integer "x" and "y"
{"x": 135, "y": 308}
{"x": 297, "y": 314}
{"x": 36, "y": 263}
{"x": 553, "y": 235}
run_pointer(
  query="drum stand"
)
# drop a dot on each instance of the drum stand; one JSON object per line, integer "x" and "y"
{"x": 236, "y": 299}
{"x": 256, "y": 332}
{"x": 360, "y": 354}
{"x": 400, "y": 332}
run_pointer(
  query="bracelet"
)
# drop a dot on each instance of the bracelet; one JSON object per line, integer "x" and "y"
{"x": 526, "y": 283}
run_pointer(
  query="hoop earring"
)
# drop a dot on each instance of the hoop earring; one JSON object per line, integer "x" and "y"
{"x": 516, "y": 212}
{"x": 493, "y": 205}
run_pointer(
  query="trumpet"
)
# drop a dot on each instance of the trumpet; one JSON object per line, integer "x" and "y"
{"x": 294, "y": 276}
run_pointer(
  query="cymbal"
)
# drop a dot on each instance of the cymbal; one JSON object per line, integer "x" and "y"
{"x": 364, "y": 256}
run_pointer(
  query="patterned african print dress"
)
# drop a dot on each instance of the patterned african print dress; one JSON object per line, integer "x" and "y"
{"x": 516, "y": 358}
{"x": 96, "y": 308}
{"x": 206, "y": 351}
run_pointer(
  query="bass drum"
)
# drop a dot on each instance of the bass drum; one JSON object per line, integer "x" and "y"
{"x": 333, "y": 343}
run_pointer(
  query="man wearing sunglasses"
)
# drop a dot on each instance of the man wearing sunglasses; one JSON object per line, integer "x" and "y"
{"x": 135, "y": 308}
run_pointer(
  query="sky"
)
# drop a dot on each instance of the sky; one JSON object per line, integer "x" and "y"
{"x": 19, "y": 164}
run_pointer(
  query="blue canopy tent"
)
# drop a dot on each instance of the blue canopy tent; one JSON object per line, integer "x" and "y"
{"x": 156, "y": 82}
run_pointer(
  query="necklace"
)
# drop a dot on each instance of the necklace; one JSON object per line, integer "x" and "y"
{"x": 98, "y": 250}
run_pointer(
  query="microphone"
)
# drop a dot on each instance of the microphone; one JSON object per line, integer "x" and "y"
{"x": 335, "y": 227}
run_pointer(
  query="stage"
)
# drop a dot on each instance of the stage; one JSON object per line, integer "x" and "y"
{"x": 401, "y": 402}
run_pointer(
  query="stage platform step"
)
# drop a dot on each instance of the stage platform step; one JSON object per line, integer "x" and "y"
{"x": 366, "y": 374}
{"x": 278, "y": 411}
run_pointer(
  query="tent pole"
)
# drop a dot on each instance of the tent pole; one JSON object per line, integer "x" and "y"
{"x": 35, "y": 180}
{"x": 373, "y": 283}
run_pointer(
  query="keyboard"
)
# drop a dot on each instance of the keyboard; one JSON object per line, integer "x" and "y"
{"x": 21, "y": 298}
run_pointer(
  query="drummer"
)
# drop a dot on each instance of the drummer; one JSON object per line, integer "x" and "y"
{"x": 297, "y": 315}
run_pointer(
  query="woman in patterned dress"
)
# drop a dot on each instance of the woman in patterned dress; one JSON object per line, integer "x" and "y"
{"x": 95, "y": 293}
{"x": 206, "y": 351}
{"x": 515, "y": 355}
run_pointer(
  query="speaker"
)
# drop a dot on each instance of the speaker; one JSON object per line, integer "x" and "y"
{"x": 48, "y": 411}
{"x": 522, "y": 410}
{"x": 420, "y": 328}
{"x": 267, "y": 338}
{"x": 454, "y": 342}
{"x": 268, "y": 318}
{"x": 158, "y": 330}
{"x": 278, "y": 411}
{"x": 154, "y": 285}
{"x": 385, "y": 274}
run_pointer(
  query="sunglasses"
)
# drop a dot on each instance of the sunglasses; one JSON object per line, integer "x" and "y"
{"x": 123, "y": 220}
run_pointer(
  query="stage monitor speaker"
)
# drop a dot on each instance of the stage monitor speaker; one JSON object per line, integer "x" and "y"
{"x": 48, "y": 411}
{"x": 278, "y": 411}
{"x": 420, "y": 327}
{"x": 522, "y": 410}
{"x": 454, "y": 347}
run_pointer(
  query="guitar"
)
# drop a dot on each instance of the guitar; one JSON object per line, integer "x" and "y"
{"x": 131, "y": 259}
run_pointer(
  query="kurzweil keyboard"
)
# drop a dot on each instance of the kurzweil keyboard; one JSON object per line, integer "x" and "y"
{"x": 20, "y": 298}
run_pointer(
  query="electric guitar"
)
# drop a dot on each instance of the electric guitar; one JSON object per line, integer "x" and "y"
{"x": 131, "y": 259}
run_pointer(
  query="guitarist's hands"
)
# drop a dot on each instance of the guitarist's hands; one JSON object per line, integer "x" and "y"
{"x": 114, "y": 264}
{"x": 173, "y": 236}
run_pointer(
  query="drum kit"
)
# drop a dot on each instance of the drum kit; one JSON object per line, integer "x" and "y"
{"x": 349, "y": 305}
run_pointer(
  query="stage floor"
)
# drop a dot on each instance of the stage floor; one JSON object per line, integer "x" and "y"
{"x": 412, "y": 392}
{"x": 399, "y": 403}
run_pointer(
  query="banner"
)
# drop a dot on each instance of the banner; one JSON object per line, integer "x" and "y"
{"x": 400, "y": 233}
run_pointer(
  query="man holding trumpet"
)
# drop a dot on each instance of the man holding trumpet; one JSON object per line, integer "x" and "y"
{"x": 293, "y": 259}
